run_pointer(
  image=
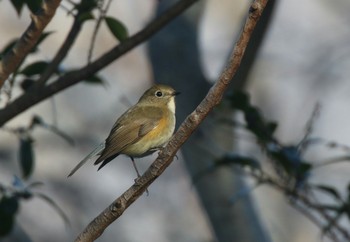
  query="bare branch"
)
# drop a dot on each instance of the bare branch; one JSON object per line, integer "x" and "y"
{"x": 38, "y": 93}
{"x": 62, "y": 52}
{"x": 103, "y": 12}
{"x": 16, "y": 55}
{"x": 214, "y": 96}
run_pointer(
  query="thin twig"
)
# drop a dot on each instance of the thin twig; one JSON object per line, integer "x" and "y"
{"x": 213, "y": 98}
{"x": 323, "y": 212}
{"x": 303, "y": 144}
{"x": 309, "y": 215}
{"x": 97, "y": 27}
{"x": 62, "y": 52}
{"x": 300, "y": 202}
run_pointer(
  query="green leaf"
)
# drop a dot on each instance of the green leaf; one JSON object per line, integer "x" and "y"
{"x": 95, "y": 80}
{"x": 347, "y": 210}
{"x": 239, "y": 160}
{"x": 85, "y": 17}
{"x": 8, "y": 47}
{"x": 303, "y": 168}
{"x": 26, "y": 156}
{"x": 18, "y": 5}
{"x": 271, "y": 126}
{"x": 6, "y": 225}
{"x": 12, "y": 43}
{"x": 117, "y": 28}
{"x": 42, "y": 37}
{"x": 34, "y": 68}
{"x": 34, "y": 5}
{"x": 8, "y": 209}
{"x": 329, "y": 190}
{"x": 239, "y": 100}
{"x": 8, "y": 206}
{"x": 26, "y": 84}
{"x": 87, "y": 5}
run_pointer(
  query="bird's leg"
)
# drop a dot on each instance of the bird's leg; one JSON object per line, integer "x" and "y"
{"x": 135, "y": 167}
{"x": 137, "y": 172}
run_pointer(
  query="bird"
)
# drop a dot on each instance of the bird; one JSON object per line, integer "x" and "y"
{"x": 141, "y": 130}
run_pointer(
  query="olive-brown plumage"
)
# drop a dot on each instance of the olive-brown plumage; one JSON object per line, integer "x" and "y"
{"x": 142, "y": 129}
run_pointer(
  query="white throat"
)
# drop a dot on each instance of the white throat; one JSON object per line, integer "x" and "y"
{"x": 171, "y": 105}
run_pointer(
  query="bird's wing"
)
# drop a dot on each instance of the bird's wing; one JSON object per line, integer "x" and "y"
{"x": 93, "y": 153}
{"x": 126, "y": 132}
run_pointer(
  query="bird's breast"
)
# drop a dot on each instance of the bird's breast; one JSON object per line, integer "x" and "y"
{"x": 156, "y": 138}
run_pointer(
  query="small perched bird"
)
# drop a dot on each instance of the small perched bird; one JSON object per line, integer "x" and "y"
{"x": 141, "y": 130}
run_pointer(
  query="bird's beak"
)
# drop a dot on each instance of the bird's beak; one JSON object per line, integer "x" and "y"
{"x": 176, "y": 93}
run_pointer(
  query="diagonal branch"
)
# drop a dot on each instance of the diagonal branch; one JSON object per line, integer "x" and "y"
{"x": 30, "y": 37}
{"x": 38, "y": 93}
{"x": 213, "y": 98}
{"x": 102, "y": 15}
{"x": 62, "y": 52}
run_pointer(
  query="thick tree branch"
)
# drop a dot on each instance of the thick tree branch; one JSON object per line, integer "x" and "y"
{"x": 38, "y": 93}
{"x": 214, "y": 96}
{"x": 30, "y": 37}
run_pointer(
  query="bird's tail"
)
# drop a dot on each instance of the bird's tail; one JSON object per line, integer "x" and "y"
{"x": 95, "y": 152}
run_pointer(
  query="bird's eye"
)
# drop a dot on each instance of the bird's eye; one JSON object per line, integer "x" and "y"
{"x": 159, "y": 94}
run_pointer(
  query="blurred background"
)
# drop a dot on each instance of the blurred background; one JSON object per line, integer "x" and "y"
{"x": 304, "y": 59}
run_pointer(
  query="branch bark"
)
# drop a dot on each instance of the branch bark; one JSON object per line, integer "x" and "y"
{"x": 216, "y": 189}
{"x": 39, "y": 92}
{"x": 30, "y": 37}
{"x": 214, "y": 96}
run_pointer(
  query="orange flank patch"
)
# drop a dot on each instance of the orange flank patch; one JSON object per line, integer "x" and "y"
{"x": 158, "y": 130}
